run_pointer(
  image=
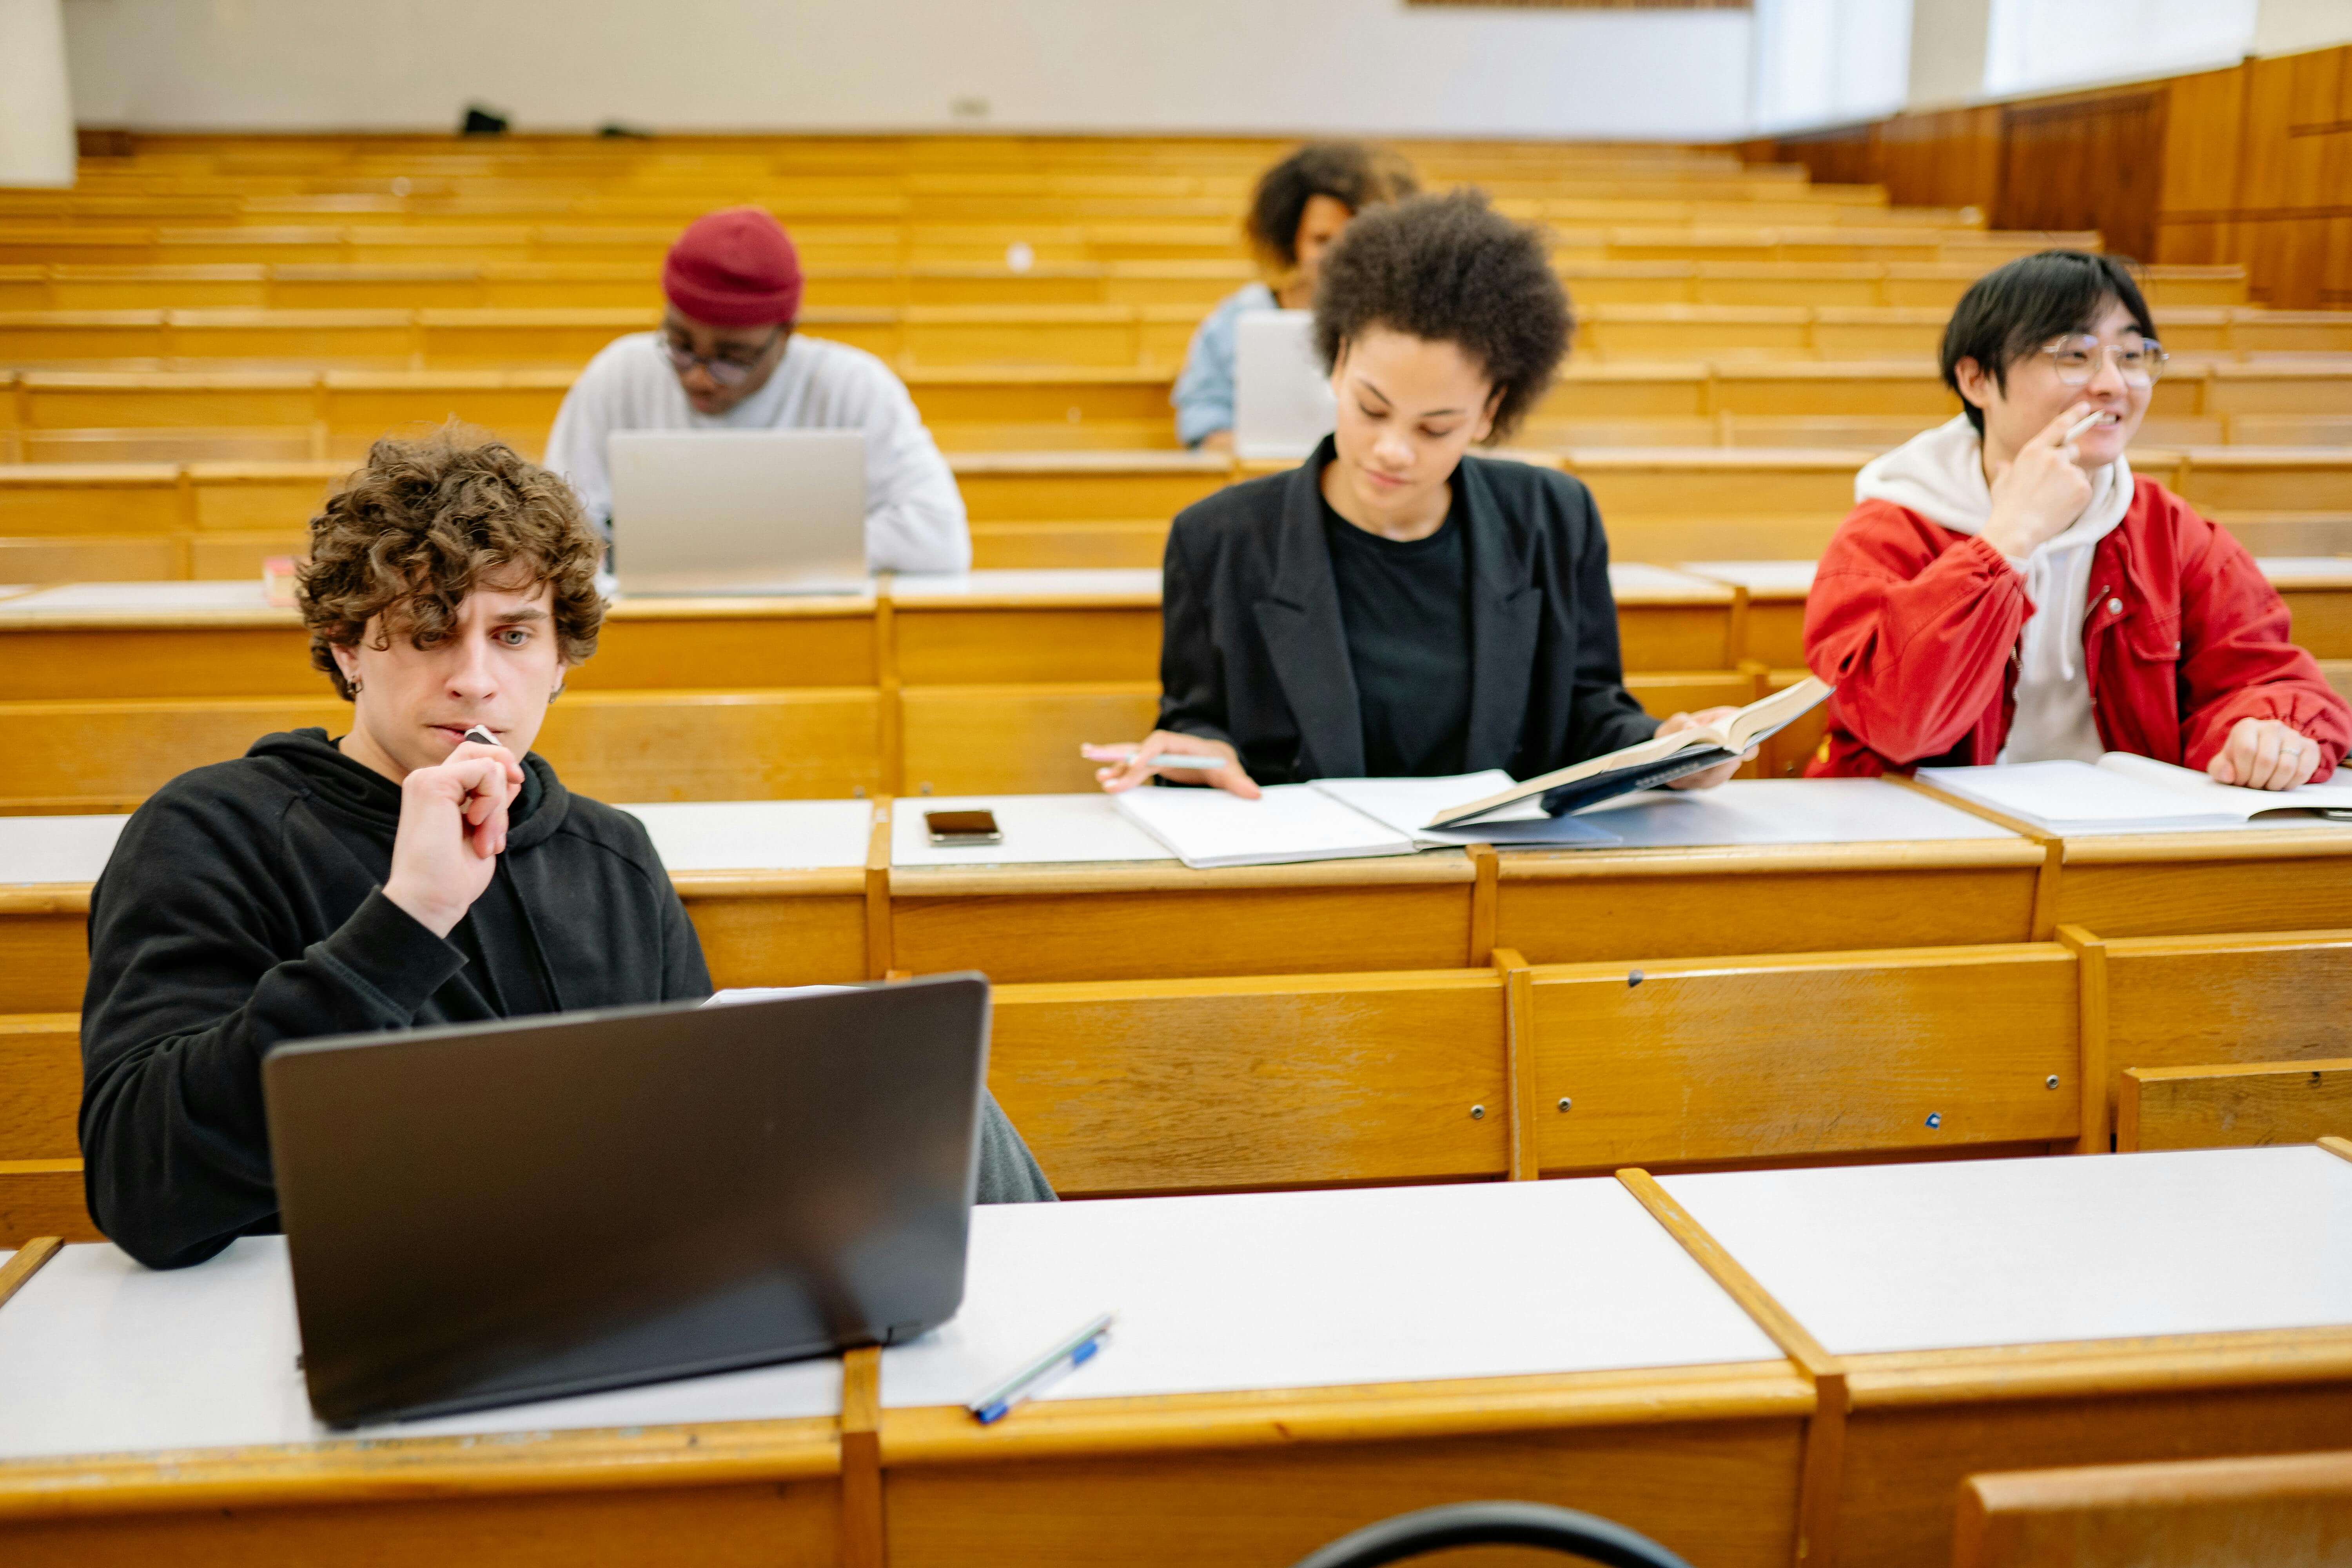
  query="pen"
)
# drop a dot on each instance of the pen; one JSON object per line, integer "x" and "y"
{"x": 2084, "y": 423}
{"x": 1066, "y": 1356}
{"x": 1174, "y": 760}
{"x": 482, "y": 736}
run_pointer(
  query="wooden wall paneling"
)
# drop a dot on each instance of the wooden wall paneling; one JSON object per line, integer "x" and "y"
{"x": 2091, "y": 162}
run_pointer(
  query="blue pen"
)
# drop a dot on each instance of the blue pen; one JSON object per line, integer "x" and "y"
{"x": 1067, "y": 1355}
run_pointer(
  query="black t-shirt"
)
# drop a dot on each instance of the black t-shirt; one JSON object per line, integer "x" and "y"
{"x": 1406, "y": 609}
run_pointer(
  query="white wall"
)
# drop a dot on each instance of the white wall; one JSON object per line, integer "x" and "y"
{"x": 37, "y": 126}
{"x": 1275, "y": 66}
{"x": 2036, "y": 46}
{"x": 1829, "y": 62}
{"x": 2290, "y": 26}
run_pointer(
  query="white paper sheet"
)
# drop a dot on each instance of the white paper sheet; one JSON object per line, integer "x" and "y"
{"x": 1407, "y": 805}
{"x": 2122, "y": 795}
{"x": 1289, "y": 823}
{"x": 1786, "y": 811}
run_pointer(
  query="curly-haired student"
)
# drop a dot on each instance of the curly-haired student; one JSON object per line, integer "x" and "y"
{"x": 1296, "y": 213}
{"x": 398, "y": 876}
{"x": 1394, "y": 607}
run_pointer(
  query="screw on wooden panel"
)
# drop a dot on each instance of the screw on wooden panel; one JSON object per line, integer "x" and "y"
{"x": 1935, "y": 1118}
{"x": 858, "y": 793}
{"x": 1564, "y": 1102}
{"x": 1633, "y": 979}
{"x": 2049, "y": 1082}
{"x": 1477, "y": 1113}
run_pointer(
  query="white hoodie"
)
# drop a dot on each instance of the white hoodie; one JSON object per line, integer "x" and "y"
{"x": 1940, "y": 475}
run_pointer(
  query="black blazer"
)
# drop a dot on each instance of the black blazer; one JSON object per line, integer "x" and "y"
{"x": 1252, "y": 651}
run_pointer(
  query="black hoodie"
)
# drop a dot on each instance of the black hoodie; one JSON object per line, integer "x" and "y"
{"x": 243, "y": 907}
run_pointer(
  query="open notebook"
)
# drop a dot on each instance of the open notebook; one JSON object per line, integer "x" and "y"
{"x": 1333, "y": 819}
{"x": 1662, "y": 759}
{"x": 2122, "y": 792}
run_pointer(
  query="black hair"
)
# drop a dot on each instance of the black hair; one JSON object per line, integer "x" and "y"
{"x": 1350, "y": 172}
{"x": 1451, "y": 268}
{"x": 2012, "y": 311}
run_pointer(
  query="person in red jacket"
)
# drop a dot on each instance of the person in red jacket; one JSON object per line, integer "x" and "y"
{"x": 2006, "y": 591}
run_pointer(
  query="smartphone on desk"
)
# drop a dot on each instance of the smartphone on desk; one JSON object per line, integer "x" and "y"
{"x": 963, "y": 830}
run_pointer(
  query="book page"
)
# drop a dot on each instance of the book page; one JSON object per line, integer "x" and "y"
{"x": 1289, "y": 822}
{"x": 2072, "y": 793}
{"x": 1768, "y": 716}
{"x": 2211, "y": 794}
{"x": 1406, "y": 803}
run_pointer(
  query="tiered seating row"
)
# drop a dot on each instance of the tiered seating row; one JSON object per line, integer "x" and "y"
{"x": 66, "y": 523}
{"x": 1066, "y": 335}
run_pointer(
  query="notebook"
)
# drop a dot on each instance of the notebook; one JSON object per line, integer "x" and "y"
{"x": 1332, "y": 819}
{"x": 1662, "y": 759}
{"x": 2122, "y": 792}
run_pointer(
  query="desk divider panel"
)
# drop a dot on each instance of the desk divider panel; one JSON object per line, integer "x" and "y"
{"x": 1696, "y": 1060}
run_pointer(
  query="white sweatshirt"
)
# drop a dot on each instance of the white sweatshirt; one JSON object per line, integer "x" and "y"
{"x": 914, "y": 514}
{"x": 1939, "y": 474}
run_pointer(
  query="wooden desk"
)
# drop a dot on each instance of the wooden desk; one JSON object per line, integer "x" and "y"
{"x": 1274, "y": 1380}
{"x": 186, "y": 1384}
{"x": 1770, "y": 865}
{"x": 2025, "y": 1313}
{"x": 974, "y": 682}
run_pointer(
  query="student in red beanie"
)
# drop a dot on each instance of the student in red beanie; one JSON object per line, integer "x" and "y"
{"x": 727, "y": 358}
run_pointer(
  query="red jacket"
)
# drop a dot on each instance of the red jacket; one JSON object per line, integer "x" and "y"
{"x": 1917, "y": 627}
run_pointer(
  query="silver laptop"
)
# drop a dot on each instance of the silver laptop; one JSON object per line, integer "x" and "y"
{"x": 738, "y": 512}
{"x": 1282, "y": 395}
{"x": 482, "y": 1213}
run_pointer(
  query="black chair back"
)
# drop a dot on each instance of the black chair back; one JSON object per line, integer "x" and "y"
{"x": 1494, "y": 1524}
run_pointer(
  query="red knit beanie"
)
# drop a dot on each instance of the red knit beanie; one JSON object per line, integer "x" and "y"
{"x": 734, "y": 268}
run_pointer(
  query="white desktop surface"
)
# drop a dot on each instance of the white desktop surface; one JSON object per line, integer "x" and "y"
{"x": 1325, "y": 1290}
{"x": 1787, "y": 811}
{"x": 57, "y": 849}
{"x": 1762, "y": 579}
{"x": 1637, "y": 581}
{"x": 2301, "y": 571}
{"x": 100, "y": 1355}
{"x": 757, "y": 835}
{"x": 80, "y": 598}
{"x": 1947, "y": 1255}
{"x": 1038, "y": 830}
{"x": 950, "y": 587}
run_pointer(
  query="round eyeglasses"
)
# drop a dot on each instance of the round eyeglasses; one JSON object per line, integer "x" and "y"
{"x": 2139, "y": 361}
{"x": 725, "y": 369}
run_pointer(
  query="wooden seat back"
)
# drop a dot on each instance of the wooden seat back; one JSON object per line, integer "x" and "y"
{"x": 2232, "y": 1105}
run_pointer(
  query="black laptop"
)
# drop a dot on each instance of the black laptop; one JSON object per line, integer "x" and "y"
{"x": 482, "y": 1215}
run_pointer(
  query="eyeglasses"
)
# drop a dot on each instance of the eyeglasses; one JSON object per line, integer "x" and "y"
{"x": 2139, "y": 362}
{"x": 724, "y": 369}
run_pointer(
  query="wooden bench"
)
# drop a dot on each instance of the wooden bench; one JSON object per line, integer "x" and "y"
{"x": 2285, "y": 1510}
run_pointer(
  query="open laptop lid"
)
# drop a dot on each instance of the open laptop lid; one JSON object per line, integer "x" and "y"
{"x": 482, "y": 1215}
{"x": 738, "y": 512}
{"x": 1282, "y": 395}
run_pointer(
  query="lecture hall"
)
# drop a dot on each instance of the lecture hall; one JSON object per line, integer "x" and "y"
{"x": 1069, "y": 781}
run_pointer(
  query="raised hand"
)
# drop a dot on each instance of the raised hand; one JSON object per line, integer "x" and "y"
{"x": 453, "y": 827}
{"x": 2038, "y": 494}
{"x": 1127, "y": 766}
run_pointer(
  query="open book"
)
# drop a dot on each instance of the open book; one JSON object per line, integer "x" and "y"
{"x": 1662, "y": 759}
{"x": 2127, "y": 794}
{"x": 1333, "y": 819}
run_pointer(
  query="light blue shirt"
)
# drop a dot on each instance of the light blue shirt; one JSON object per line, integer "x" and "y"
{"x": 1203, "y": 392}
